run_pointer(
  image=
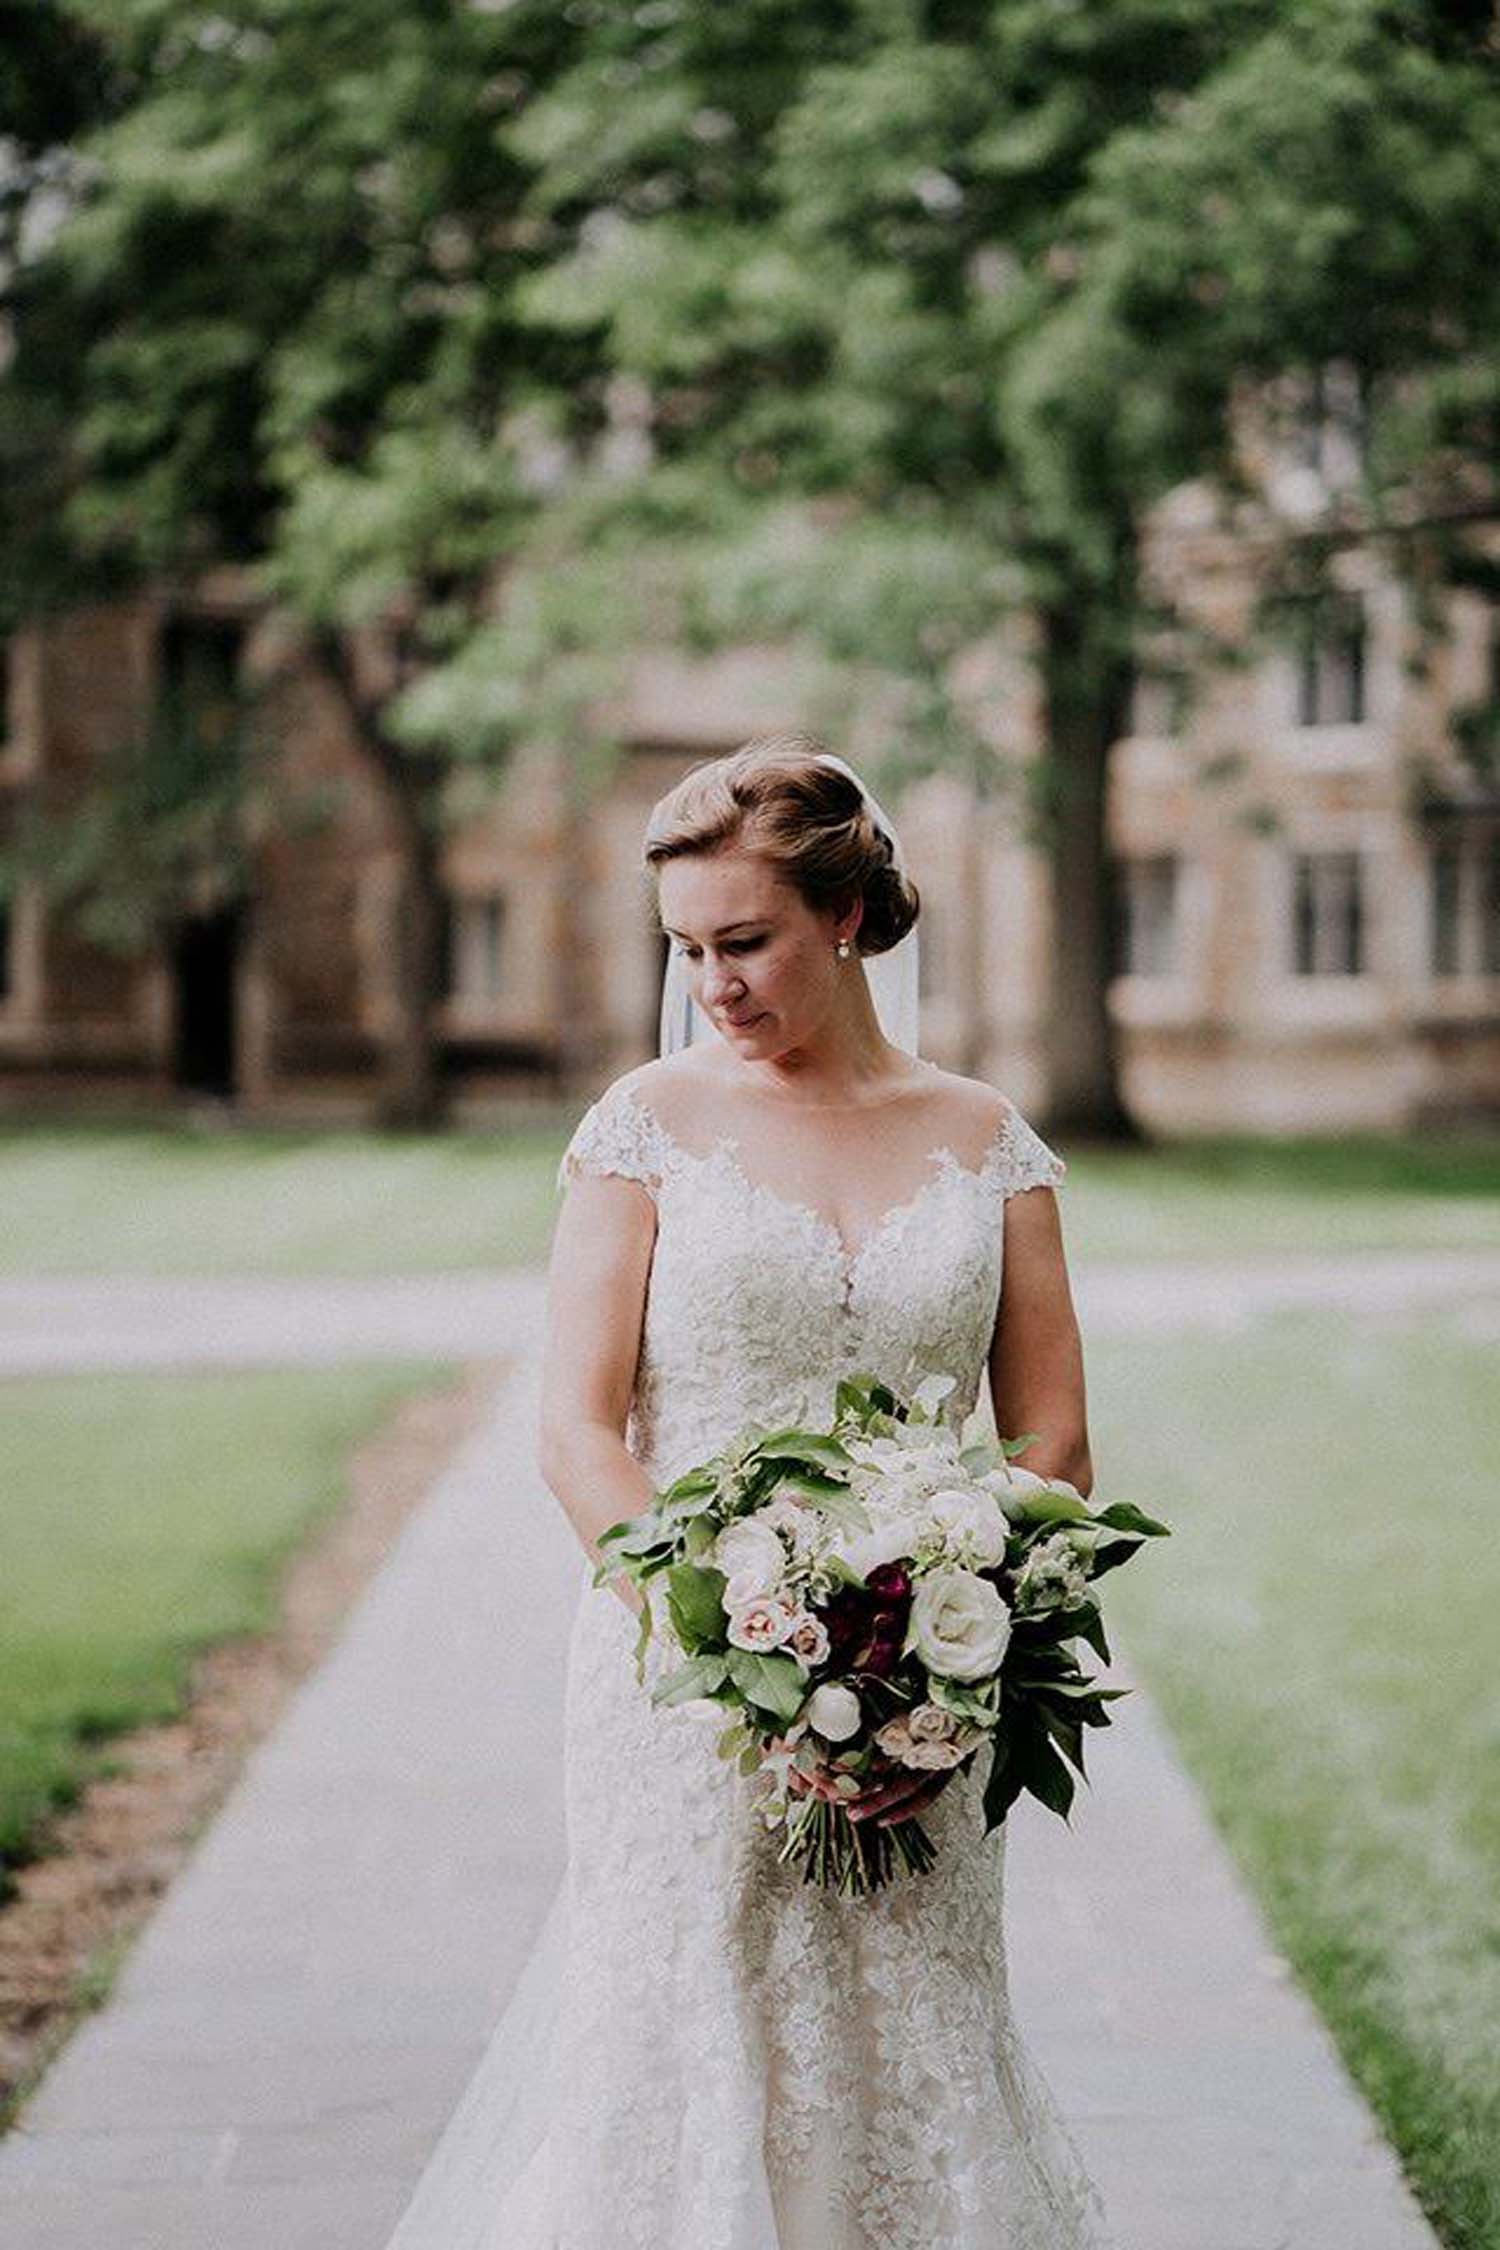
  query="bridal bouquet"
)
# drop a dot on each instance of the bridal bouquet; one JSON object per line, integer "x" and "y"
{"x": 886, "y": 1594}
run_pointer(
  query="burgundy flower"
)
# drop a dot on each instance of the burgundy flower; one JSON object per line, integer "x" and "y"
{"x": 881, "y": 1657}
{"x": 890, "y": 1580}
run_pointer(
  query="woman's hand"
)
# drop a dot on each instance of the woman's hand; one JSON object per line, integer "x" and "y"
{"x": 899, "y": 1796}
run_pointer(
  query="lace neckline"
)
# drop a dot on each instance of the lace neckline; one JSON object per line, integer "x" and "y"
{"x": 849, "y": 1257}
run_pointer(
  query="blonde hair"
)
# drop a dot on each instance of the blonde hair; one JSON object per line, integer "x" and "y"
{"x": 808, "y": 821}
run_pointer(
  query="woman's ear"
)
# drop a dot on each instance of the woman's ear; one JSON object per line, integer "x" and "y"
{"x": 848, "y": 918}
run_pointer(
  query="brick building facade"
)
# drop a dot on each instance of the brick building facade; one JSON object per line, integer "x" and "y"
{"x": 1307, "y": 886}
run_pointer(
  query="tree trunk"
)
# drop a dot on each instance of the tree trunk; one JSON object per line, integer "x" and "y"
{"x": 411, "y": 1095}
{"x": 1087, "y": 699}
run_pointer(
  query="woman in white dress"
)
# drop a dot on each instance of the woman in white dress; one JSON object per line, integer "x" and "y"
{"x": 706, "y": 2052}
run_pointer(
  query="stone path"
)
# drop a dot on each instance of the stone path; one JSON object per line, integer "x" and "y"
{"x": 297, "y": 2022}
{"x": 58, "y": 1323}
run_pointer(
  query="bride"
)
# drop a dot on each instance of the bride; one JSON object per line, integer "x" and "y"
{"x": 705, "y": 2052}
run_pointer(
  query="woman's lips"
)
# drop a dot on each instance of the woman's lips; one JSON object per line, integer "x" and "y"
{"x": 742, "y": 1023}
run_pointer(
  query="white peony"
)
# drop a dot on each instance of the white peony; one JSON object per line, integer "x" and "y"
{"x": 833, "y": 1712}
{"x": 959, "y": 1626}
{"x": 971, "y": 1525}
{"x": 891, "y": 1537}
{"x": 751, "y": 1557}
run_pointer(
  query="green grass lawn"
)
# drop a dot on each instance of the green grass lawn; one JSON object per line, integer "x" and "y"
{"x": 1320, "y": 1635}
{"x": 1319, "y": 1632}
{"x": 177, "y": 1199}
{"x": 145, "y": 1516}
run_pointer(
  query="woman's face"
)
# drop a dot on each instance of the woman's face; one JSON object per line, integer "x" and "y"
{"x": 761, "y": 961}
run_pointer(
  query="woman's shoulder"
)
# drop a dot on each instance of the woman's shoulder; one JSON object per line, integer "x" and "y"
{"x": 992, "y": 1135}
{"x": 659, "y": 1087}
{"x": 977, "y": 1112}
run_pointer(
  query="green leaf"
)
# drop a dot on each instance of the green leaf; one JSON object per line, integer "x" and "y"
{"x": 697, "y": 1540}
{"x": 804, "y": 1445}
{"x": 1123, "y": 1515}
{"x": 703, "y": 1675}
{"x": 772, "y": 1683}
{"x": 1049, "y": 1779}
{"x": 696, "y": 1606}
{"x": 1049, "y": 1507}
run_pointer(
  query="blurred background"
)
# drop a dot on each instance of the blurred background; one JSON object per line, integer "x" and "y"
{"x": 425, "y": 430}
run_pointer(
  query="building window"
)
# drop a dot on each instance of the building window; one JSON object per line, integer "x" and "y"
{"x": 1329, "y": 638}
{"x": 1330, "y": 424}
{"x": 1328, "y": 914}
{"x": 476, "y": 951}
{"x": 1464, "y": 905}
{"x": 1144, "y": 900}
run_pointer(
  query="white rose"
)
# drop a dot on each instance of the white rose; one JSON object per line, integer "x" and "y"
{"x": 929, "y": 1722}
{"x": 911, "y": 1744}
{"x": 895, "y": 1737}
{"x": 761, "y": 1624}
{"x": 751, "y": 1557}
{"x": 808, "y": 1639}
{"x": 959, "y": 1626}
{"x": 833, "y": 1712}
{"x": 933, "y": 1757}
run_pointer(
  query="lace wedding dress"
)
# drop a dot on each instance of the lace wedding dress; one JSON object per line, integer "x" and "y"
{"x": 704, "y": 2052}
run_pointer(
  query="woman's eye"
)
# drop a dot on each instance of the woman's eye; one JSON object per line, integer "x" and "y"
{"x": 738, "y": 945}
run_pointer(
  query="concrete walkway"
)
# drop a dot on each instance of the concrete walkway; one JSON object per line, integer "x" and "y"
{"x": 297, "y": 2022}
{"x": 61, "y": 1323}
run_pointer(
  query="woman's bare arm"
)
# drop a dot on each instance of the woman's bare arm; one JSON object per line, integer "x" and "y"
{"x": 596, "y": 1298}
{"x": 1036, "y": 1356}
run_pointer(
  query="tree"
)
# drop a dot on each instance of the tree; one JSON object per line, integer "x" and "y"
{"x": 274, "y": 329}
{"x": 889, "y": 281}
{"x": 836, "y": 282}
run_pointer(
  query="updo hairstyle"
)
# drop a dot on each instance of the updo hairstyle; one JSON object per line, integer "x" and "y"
{"x": 807, "y": 820}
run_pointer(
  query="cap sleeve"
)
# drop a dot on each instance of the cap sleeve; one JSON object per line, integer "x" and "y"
{"x": 616, "y": 1134}
{"x": 1022, "y": 1158}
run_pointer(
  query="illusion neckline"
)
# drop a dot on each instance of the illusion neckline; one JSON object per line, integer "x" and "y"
{"x": 849, "y": 1256}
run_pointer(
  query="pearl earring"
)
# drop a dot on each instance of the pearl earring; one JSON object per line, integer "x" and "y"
{"x": 842, "y": 949}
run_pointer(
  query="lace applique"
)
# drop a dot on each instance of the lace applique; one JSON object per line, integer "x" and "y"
{"x": 616, "y": 1134}
{"x": 1020, "y": 1157}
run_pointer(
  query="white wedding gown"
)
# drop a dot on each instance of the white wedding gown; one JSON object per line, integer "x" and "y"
{"x": 704, "y": 2052}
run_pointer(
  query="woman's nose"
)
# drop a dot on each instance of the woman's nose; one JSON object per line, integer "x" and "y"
{"x": 720, "y": 981}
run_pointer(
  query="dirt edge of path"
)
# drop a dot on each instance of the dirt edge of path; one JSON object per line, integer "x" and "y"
{"x": 105, "y": 1861}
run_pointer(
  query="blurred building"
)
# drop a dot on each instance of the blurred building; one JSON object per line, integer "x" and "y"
{"x": 1305, "y": 877}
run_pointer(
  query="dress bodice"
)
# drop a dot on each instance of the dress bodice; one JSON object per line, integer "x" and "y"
{"x": 756, "y": 1305}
